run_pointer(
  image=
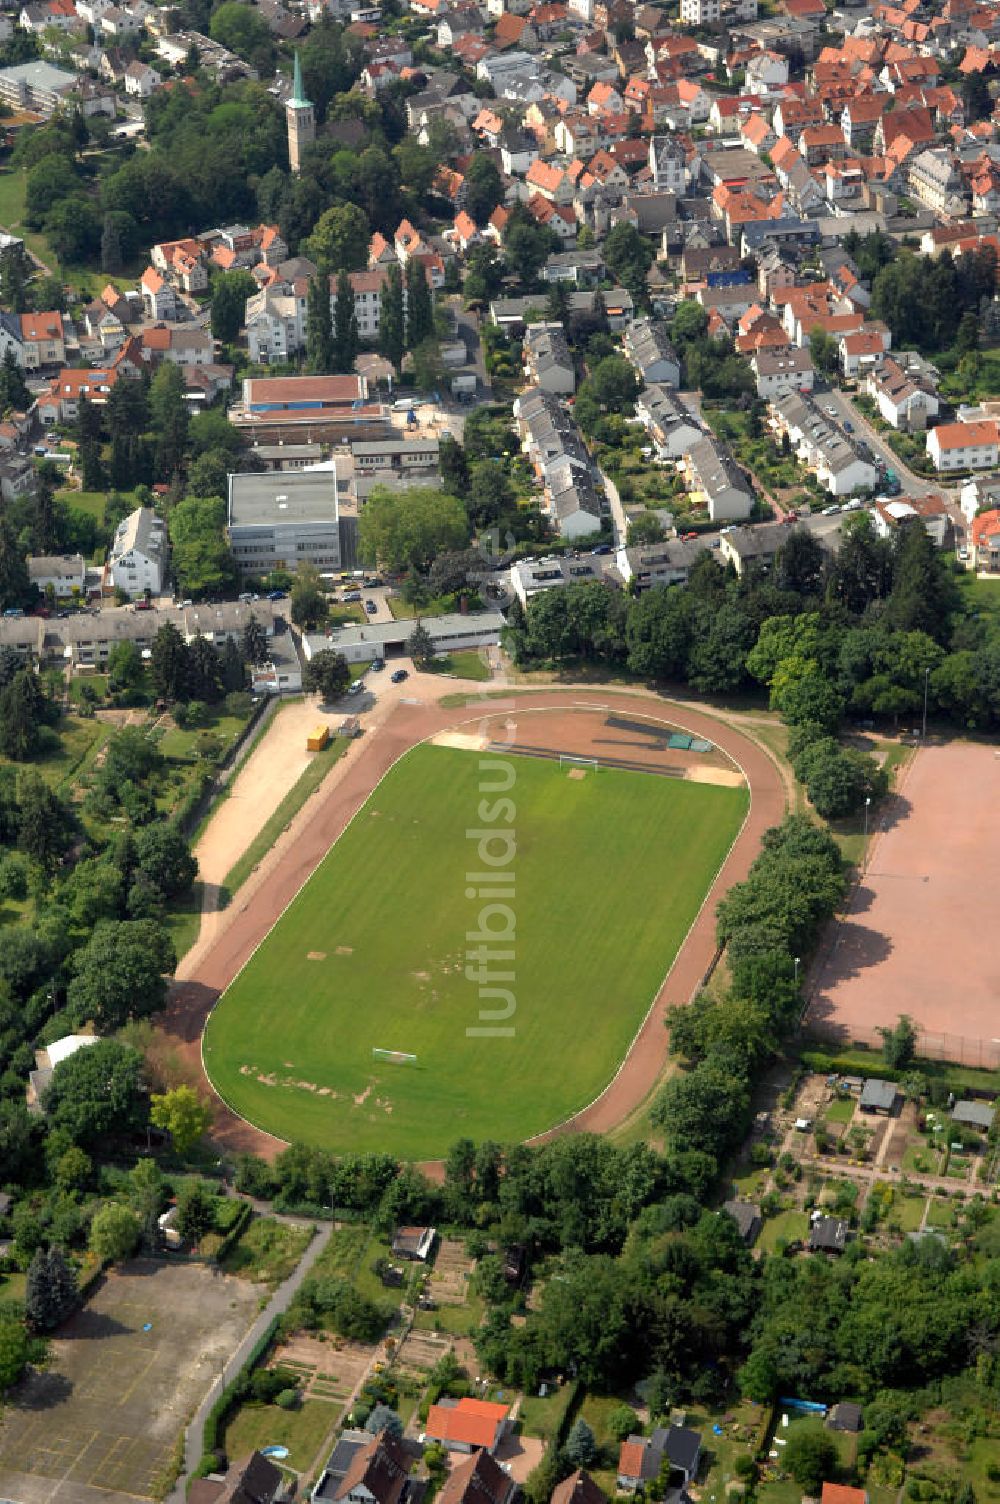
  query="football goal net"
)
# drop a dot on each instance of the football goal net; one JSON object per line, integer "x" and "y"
{"x": 570, "y": 760}
{"x": 393, "y": 1057}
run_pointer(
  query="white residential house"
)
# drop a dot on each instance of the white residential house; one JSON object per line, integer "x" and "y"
{"x": 903, "y": 402}
{"x": 140, "y": 553}
{"x": 275, "y": 324}
{"x": 964, "y": 446}
{"x": 668, "y": 164}
{"x": 66, "y": 573}
{"x": 141, "y": 79}
{"x": 43, "y": 340}
{"x": 158, "y": 297}
{"x": 700, "y": 12}
{"x": 788, "y": 370}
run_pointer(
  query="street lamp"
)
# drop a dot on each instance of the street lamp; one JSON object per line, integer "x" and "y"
{"x": 927, "y": 680}
{"x": 867, "y": 806}
{"x": 798, "y": 963}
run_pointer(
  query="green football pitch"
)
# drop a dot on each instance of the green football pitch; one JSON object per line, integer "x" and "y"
{"x": 609, "y": 872}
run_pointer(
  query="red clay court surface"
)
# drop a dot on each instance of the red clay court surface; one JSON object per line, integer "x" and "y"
{"x": 328, "y": 813}
{"x": 916, "y": 937}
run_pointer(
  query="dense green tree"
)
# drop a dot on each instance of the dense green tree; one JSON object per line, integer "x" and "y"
{"x": 50, "y": 1292}
{"x": 253, "y": 643}
{"x": 168, "y": 411}
{"x": 420, "y": 645}
{"x": 484, "y": 188}
{"x": 328, "y": 674}
{"x": 346, "y": 339}
{"x": 22, "y": 716}
{"x": 13, "y": 1351}
{"x": 164, "y": 856}
{"x": 392, "y": 322}
{"x": 810, "y": 1456}
{"x": 407, "y": 529}
{"x": 45, "y": 824}
{"x": 419, "y": 304}
{"x": 13, "y": 569}
{"x": 319, "y": 326}
{"x": 309, "y": 605}
{"x": 119, "y": 973}
{"x": 195, "y": 1211}
{"x": 340, "y": 239}
{"x": 202, "y": 560}
{"x": 230, "y": 291}
{"x": 184, "y": 1115}
{"x": 114, "y": 1233}
{"x": 96, "y": 1092}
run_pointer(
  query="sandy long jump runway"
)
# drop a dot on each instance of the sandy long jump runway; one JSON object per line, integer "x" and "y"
{"x": 916, "y": 937}
{"x": 242, "y": 927}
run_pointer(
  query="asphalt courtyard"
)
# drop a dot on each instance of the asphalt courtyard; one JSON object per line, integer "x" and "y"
{"x": 100, "y": 1424}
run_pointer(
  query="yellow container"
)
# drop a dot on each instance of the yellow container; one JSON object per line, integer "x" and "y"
{"x": 317, "y": 739}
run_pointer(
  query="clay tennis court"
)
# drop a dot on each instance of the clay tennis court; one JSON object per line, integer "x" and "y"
{"x": 207, "y": 970}
{"x": 916, "y": 937}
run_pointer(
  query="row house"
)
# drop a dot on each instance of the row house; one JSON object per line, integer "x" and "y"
{"x": 822, "y": 444}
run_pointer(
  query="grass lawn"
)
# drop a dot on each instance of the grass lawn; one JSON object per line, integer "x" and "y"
{"x": 182, "y": 920}
{"x": 13, "y": 186}
{"x": 183, "y": 745}
{"x": 840, "y": 1110}
{"x": 343, "y": 1252}
{"x": 908, "y": 1211}
{"x": 738, "y": 1426}
{"x": 72, "y": 743}
{"x": 287, "y": 810}
{"x": 372, "y": 953}
{"x": 438, "y": 605}
{"x": 942, "y": 1215}
{"x": 461, "y": 665}
{"x": 302, "y": 1431}
{"x": 457, "y": 1321}
{"x": 786, "y": 1226}
{"x": 343, "y": 616}
{"x": 541, "y": 1416}
{"x": 91, "y": 502}
{"x": 267, "y": 1252}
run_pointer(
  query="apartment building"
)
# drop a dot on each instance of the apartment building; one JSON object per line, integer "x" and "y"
{"x": 964, "y": 446}
{"x": 280, "y": 520}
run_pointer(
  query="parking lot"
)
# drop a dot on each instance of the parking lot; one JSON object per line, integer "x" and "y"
{"x": 99, "y": 1425}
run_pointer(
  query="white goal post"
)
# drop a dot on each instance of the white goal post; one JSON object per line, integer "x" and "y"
{"x": 570, "y": 760}
{"x": 393, "y": 1057}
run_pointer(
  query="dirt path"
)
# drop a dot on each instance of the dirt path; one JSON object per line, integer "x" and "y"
{"x": 225, "y": 948}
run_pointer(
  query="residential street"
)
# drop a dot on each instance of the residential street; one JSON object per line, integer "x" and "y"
{"x": 913, "y": 485}
{"x": 276, "y": 1306}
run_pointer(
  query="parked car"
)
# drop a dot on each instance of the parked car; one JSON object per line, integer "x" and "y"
{"x": 602, "y": 548}
{"x": 357, "y": 688}
{"x": 352, "y": 595}
{"x": 276, "y": 595}
{"x": 371, "y": 608}
{"x": 377, "y": 665}
{"x": 400, "y": 675}
{"x": 848, "y": 426}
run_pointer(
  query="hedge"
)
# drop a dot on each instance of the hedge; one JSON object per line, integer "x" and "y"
{"x": 230, "y": 1396}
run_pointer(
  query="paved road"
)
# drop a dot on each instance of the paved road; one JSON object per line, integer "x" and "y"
{"x": 913, "y": 485}
{"x": 276, "y": 1306}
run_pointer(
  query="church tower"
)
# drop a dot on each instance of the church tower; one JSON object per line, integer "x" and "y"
{"x": 300, "y": 118}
